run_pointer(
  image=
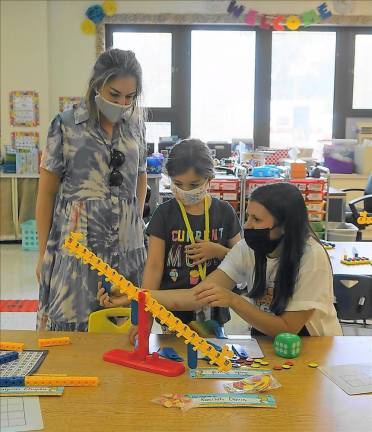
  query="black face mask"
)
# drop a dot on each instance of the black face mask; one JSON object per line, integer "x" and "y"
{"x": 259, "y": 240}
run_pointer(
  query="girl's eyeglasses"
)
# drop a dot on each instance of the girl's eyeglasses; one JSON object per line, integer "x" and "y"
{"x": 117, "y": 159}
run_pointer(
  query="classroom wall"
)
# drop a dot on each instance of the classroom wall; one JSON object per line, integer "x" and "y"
{"x": 43, "y": 49}
{"x": 24, "y": 57}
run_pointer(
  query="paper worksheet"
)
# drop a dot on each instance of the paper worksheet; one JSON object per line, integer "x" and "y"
{"x": 353, "y": 379}
{"x": 20, "y": 414}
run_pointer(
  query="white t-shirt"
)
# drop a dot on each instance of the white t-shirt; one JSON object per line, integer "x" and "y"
{"x": 313, "y": 288}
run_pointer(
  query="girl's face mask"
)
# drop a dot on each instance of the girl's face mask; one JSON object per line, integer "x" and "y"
{"x": 190, "y": 197}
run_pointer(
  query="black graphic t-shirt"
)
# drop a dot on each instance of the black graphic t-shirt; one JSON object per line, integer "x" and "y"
{"x": 179, "y": 272}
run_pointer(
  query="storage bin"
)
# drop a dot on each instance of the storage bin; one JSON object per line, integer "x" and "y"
{"x": 30, "y": 241}
{"x": 339, "y": 156}
{"x": 342, "y": 231}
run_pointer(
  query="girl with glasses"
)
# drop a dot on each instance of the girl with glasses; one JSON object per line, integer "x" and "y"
{"x": 92, "y": 180}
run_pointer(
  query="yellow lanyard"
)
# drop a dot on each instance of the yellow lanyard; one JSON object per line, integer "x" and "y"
{"x": 202, "y": 267}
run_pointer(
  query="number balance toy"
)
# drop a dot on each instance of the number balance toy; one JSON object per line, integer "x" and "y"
{"x": 140, "y": 357}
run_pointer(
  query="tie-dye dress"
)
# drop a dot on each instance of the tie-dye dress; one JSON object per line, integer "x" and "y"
{"x": 108, "y": 216}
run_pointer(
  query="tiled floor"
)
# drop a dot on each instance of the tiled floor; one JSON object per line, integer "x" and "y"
{"x": 18, "y": 281}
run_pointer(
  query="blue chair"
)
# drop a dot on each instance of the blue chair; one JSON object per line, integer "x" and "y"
{"x": 353, "y": 296}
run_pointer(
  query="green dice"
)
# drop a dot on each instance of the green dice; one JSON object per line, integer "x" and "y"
{"x": 287, "y": 345}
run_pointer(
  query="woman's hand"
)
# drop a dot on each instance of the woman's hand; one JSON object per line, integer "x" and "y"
{"x": 110, "y": 301}
{"x": 214, "y": 295}
{"x": 202, "y": 251}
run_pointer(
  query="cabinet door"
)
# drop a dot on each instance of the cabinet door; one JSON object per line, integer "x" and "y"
{"x": 27, "y": 194}
{"x": 7, "y": 227}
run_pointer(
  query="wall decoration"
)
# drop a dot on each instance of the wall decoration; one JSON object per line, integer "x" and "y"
{"x": 109, "y": 7}
{"x": 26, "y": 146}
{"x": 213, "y": 18}
{"x": 280, "y": 23}
{"x": 67, "y": 102}
{"x": 24, "y": 139}
{"x": 95, "y": 14}
{"x": 24, "y": 108}
{"x": 88, "y": 27}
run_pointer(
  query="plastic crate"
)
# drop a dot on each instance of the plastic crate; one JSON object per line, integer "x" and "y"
{"x": 341, "y": 231}
{"x": 30, "y": 241}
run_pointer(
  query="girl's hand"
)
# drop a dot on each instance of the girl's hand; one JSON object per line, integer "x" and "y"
{"x": 132, "y": 334}
{"x": 214, "y": 295}
{"x": 133, "y": 331}
{"x": 108, "y": 301}
{"x": 203, "y": 250}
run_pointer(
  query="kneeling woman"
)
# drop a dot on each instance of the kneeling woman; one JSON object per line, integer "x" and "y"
{"x": 286, "y": 269}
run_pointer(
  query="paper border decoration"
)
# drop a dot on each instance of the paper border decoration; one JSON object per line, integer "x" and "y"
{"x": 31, "y": 118}
{"x": 20, "y": 138}
{"x": 67, "y": 102}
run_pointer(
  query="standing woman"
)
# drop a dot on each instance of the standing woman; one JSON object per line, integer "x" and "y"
{"x": 92, "y": 180}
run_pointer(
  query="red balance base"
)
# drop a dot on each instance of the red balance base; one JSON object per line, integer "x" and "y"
{"x": 140, "y": 358}
{"x": 151, "y": 363}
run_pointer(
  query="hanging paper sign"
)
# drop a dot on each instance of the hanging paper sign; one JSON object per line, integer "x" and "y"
{"x": 24, "y": 108}
{"x": 280, "y": 23}
{"x": 24, "y": 139}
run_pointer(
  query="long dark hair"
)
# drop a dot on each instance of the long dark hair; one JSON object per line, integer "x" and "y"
{"x": 190, "y": 153}
{"x": 111, "y": 64}
{"x": 286, "y": 204}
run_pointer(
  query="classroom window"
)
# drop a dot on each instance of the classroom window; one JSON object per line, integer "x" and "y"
{"x": 282, "y": 89}
{"x": 302, "y": 88}
{"x": 154, "y": 52}
{"x": 362, "y": 89}
{"x": 222, "y": 84}
{"x": 154, "y": 130}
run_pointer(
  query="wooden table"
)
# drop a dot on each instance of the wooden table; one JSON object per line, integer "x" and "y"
{"x": 336, "y": 254}
{"x": 307, "y": 400}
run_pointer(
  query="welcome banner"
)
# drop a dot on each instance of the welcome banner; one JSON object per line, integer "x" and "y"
{"x": 293, "y": 22}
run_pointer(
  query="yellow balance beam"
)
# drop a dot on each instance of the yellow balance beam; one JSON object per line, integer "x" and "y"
{"x": 220, "y": 359}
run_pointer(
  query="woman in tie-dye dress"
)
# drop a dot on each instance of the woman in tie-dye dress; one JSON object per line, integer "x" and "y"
{"x": 92, "y": 180}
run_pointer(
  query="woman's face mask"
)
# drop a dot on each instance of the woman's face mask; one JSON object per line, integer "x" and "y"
{"x": 259, "y": 240}
{"x": 112, "y": 111}
{"x": 256, "y": 231}
{"x": 191, "y": 197}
